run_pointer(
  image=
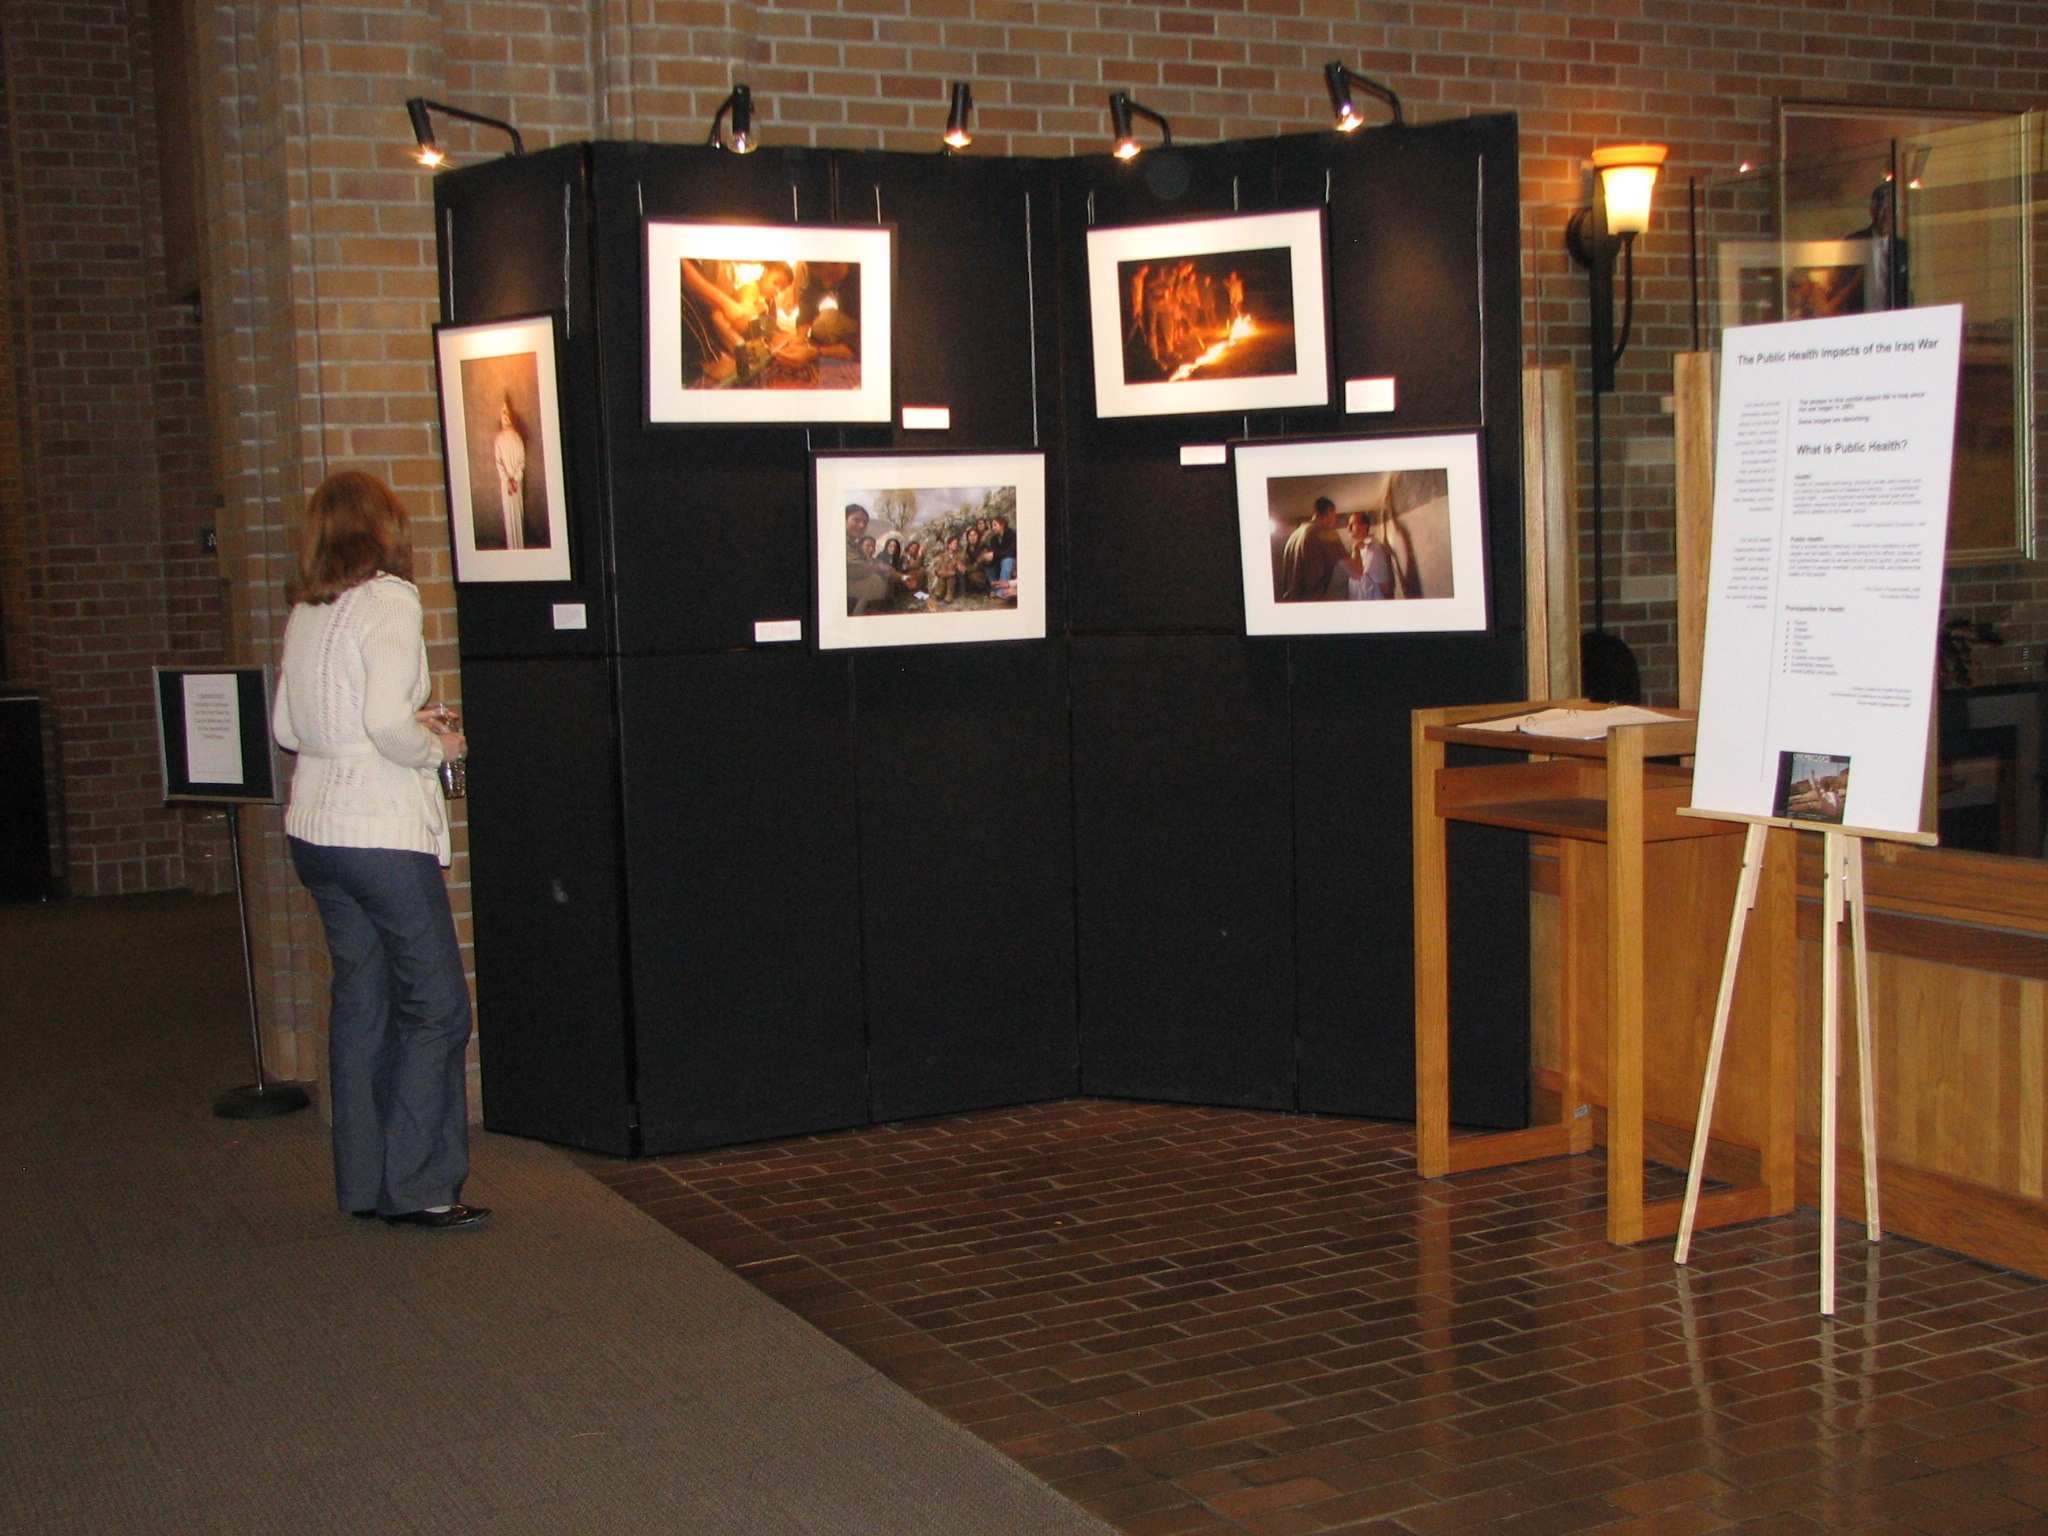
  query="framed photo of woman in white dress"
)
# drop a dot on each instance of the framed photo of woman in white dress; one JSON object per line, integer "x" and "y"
{"x": 501, "y": 445}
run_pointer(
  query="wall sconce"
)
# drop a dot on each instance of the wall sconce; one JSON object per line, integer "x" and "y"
{"x": 740, "y": 106}
{"x": 1596, "y": 236}
{"x": 1120, "y": 109}
{"x": 1340, "y": 81}
{"x": 1606, "y": 229}
{"x": 430, "y": 153}
{"x": 957, "y": 116}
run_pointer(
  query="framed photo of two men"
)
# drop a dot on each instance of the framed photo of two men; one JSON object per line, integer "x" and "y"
{"x": 1361, "y": 535}
{"x": 502, "y": 450}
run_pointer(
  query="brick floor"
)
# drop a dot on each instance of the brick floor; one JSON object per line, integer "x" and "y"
{"x": 1214, "y": 1320}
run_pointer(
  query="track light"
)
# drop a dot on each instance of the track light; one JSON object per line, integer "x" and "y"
{"x": 957, "y": 134}
{"x": 740, "y": 106}
{"x": 430, "y": 154}
{"x": 1340, "y": 80}
{"x": 1120, "y": 109}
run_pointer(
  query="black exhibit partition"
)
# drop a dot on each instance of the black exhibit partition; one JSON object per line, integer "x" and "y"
{"x": 729, "y": 889}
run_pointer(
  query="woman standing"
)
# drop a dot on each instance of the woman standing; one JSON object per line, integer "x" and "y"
{"x": 368, "y": 836}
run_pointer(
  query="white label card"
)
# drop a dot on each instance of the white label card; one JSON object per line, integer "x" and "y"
{"x": 1366, "y": 395}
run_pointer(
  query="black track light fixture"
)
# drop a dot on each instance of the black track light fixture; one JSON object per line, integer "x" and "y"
{"x": 1341, "y": 82}
{"x": 430, "y": 153}
{"x": 1121, "y": 110}
{"x": 738, "y": 107}
{"x": 959, "y": 117}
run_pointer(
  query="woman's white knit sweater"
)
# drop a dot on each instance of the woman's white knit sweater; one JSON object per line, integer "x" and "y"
{"x": 355, "y": 670}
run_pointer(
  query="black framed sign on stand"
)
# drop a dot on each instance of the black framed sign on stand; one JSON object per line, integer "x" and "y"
{"x": 214, "y": 748}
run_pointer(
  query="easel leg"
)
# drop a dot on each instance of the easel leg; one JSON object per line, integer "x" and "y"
{"x": 1832, "y": 863}
{"x": 1866, "y": 1064}
{"x": 1724, "y": 1004}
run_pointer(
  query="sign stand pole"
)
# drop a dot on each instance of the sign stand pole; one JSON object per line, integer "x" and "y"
{"x": 262, "y": 1099}
{"x": 1841, "y": 891}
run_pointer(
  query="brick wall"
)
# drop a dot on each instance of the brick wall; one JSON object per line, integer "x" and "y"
{"x": 318, "y": 268}
{"x": 105, "y": 486}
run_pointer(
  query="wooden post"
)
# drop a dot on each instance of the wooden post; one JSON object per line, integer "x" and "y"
{"x": 1550, "y": 530}
{"x": 1625, "y": 993}
{"x": 1692, "y": 396}
{"x": 1432, "y": 956}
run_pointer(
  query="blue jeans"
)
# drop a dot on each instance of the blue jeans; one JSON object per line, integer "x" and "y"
{"x": 397, "y": 1028}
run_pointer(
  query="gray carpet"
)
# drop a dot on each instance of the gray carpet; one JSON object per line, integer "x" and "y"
{"x": 192, "y": 1339}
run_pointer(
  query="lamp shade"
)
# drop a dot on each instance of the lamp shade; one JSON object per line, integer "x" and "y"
{"x": 1628, "y": 172}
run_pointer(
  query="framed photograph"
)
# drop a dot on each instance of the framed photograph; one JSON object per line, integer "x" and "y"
{"x": 929, "y": 548}
{"x": 501, "y": 445}
{"x": 768, "y": 322}
{"x": 1209, "y": 315}
{"x": 1765, "y": 281}
{"x": 1361, "y": 535}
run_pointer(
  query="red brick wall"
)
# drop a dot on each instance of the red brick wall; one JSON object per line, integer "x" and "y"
{"x": 107, "y": 487}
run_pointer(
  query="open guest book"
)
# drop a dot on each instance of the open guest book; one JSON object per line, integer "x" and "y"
{"x": 1573, "y": 724}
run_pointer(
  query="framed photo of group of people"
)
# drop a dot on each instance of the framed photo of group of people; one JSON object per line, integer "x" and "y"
{"x": 929, "y": 549}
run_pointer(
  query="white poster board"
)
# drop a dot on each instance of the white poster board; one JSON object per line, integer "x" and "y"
{"x": 213, "y": 728}
{"x": 1831, "y": 486}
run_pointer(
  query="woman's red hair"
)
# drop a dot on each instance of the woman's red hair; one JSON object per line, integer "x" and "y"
{"x": 354, "y": 528}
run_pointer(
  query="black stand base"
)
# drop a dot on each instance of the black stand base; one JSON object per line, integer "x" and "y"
{"x": 259, "y": 1101}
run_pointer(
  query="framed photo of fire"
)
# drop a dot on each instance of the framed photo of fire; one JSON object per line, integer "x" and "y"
{"x": 764, "y": 323}
{"x": 1224, "y": 314}
{"x": 1361, "y": 535}
{"x": 929, "y": 548}
{"x": 501, "y": 448}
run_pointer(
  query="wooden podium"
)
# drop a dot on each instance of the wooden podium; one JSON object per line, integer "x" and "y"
{"x": 1621, "y": 842}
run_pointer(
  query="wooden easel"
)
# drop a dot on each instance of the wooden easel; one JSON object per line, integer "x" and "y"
{"x": 1841, "y": 893}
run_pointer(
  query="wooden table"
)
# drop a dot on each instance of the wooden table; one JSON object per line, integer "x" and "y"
{"x": 1607, "y": 805}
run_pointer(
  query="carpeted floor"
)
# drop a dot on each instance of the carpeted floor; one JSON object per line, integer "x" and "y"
{"x": 193, "y": 1340}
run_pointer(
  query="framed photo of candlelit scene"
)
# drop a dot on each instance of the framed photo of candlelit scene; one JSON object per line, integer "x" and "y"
{"x": 1361, "y": 535}
{"x": 929, "y": 548}
{"x": 501, "y": 449}
{"x": 768, "y": 322}
{"x": 1206, "y": 315}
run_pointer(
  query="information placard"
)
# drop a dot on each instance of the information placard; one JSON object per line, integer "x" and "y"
{"x": 213, "y": 734}
{"x": 1831, "y": 487}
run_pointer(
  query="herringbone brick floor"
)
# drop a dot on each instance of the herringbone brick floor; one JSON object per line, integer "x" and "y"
{"x": 1215, "y": 1320}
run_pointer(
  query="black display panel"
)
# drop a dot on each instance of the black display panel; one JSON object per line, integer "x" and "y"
{"x": 1354, "y": 904}
{"x": 967, "y": 875}
{"x": 745, "y": 882}
{"x": 545, "y": 888}
{"x": 1183, "y": 842}
{"x": 1148, "y": 855}
{"x": 514, "y": 239}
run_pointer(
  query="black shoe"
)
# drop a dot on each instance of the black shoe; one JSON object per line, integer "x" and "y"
{"x": 364, "y": 1215}
{"x": 442, "y": 1221}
